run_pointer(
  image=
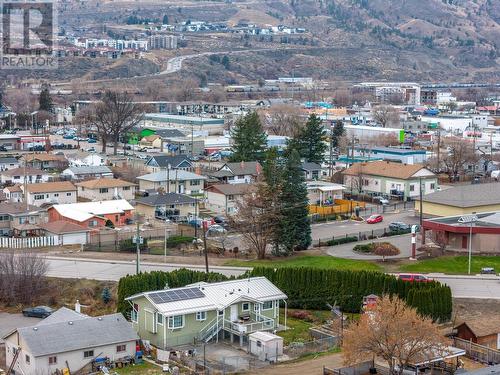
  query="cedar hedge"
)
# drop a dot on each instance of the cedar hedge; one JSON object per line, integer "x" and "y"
{"x": 313, "y": 288}
{"x": 341, "y": 240}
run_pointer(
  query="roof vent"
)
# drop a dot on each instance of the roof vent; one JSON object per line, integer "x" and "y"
{"x": 70, "y": 323}
{"x": 99, "y": 318}
{"x": 35, "y": 328}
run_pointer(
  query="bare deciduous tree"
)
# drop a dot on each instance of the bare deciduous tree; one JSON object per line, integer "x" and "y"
{"x": 385, "y": 249}
{"x": 459, "y": 154}
{"x": 282, "y": 119}
{"x": 21, "y": 276}
{"x": 386, "y": 115}
{"x": 395, "y": 333}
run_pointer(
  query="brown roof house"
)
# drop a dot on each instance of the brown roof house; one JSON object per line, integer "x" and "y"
{"x": 19, "y": 220}
{"x": 45, "y": 161}
{"x": 389, "y": 178}
{"x": 223, "y": 199}
{"x": 51, "y": 193}
{"x": 106, "y": 189}
{"x": 68, "y": 233}
{"x": 484, "y": 331}
{"x": 16, "y": 176}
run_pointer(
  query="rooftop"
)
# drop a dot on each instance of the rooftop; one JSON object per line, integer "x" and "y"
{"x": 467, "y": 195}
{"x": 61, "y": 227}
{"x": 104, "y": 183}
{"x": 483, "y": 327}
{"x": 50, "y": 187}
{"x": 42, "y": 157}
{"x": 165, "y": 199}
{"x": 231, "y": 189}
{"x": 88, "y": 170}
{"x": 22, "y": 171}
{"x": 165, "y": 161}
{"x": 386, "y": 169}
{"x": 212, "y": 296}
{"x": 86, "y": 210}
{"x": 172, "y": 175}
{"x": 244, "y": 167}
{"x": 14, "y": 208}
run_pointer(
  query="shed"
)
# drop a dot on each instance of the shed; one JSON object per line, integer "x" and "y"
{"x": 480, "y": 331}
{"x": 265, "y": 345}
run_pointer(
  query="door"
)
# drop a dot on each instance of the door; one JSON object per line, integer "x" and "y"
{"x": 234, "y": 313}
{"x": 464, "y": 242}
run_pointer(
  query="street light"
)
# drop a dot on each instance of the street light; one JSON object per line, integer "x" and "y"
{"x": 469, "y": 219}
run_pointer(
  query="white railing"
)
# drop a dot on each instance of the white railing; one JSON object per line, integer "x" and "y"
{"x": 211, "y": 329}
{"x": 260, "y": 323}
{"x": 28, "y": 242}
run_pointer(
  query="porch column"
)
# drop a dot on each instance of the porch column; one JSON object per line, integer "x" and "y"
{"x": 422, "y": 234}
{"x": 241, "y": 341}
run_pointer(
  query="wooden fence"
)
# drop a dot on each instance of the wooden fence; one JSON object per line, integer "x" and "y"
{"x": 478, "y": 352}
{"x": 28, "y": 242}
{"x": 342, "y": 206}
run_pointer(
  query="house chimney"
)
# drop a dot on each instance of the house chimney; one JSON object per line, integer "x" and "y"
{"x": 78, "y": 307}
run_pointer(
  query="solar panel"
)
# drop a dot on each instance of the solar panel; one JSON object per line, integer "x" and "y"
{"x": 165, "y": 296}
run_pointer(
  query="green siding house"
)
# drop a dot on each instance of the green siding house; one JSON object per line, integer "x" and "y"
{"x": 203, "y": 312}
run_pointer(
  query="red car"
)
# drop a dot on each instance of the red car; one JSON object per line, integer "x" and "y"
{"x": 413, "y": 277}
{"x": 375, "y": 219}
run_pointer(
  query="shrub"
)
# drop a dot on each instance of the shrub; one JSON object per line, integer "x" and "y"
{"x": 385, "y": 249}
{"x": 364, "y": 248}
{"x": 128, "y": 245}
{"x": 175, "y": 241}
{"x": 341, "y": 240}
{"x": 301, "y": 314}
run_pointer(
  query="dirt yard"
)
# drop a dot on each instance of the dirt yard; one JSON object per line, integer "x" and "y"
{"x": 310, "y": 367}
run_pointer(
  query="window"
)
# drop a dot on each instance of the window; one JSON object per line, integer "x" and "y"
{"x": 256, "y": 307}
{"x": 93, "y": 223}
{"x": 195, "y": 182}
{"x": 88, "y": 353}
{"x": 201, "y": 315}
{"x": 39, "y": 196}
{"x": 230, "y": 197}
{"x": 103, "y": 190}
{"x": 268, "y": 305}
{"x": 176, "y": 321}
{"x": 230, "y": 178}
{"x": 27, "y": 358}
{"x": 126, "y": 188}
{"x": 121, "y": 348}
{"x": 221, "y": 312}
{"x": 412, "y": 187}
{"x": 135, "y": 313}
{"x": 433, "y": 186}
{"x": 57, "y": 194}
{"x": 245, "y": 306}
{"x": 159, "y": 318}
{"x": 259, "y": 343}
{"x": 67, "y": 194}
{"x": 4, "y": 217}
{"x": 53, "y": 360}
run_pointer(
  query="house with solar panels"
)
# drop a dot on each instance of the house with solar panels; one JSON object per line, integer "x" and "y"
{"x": 204, "y": 312}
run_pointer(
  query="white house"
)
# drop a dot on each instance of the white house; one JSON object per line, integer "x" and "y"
{"x": 106, "y": 189}
{"x": 237, "y": 173}
{"x": 16, "y": 175}
{"x": 67, "y": 339}
{"x": 85, "y": 159}
{"x": 50, "y": 193}
{"x": 173, "y": 181}
{"x": 87, "y": 172}
{"x": 8, "y": 162}
{"x": 67, "y": 232}
{"x": 223, "y": 198}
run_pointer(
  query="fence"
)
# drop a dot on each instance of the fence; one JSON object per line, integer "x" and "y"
{"x": 28, "y": 242}
{"x": 342, "y": 206}
{"x": 300, "y": 349}
{"x": 360, "y": 236}
{"x": 357, "y": 369}
{"x": 321, "y": 216}
{"x": 110, "y": 240}
{"x": 478, "y": 352}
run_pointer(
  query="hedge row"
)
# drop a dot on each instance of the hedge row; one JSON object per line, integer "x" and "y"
{"x": 157, "y": 280}
{"x": 341, "y": 240}
{"x": 312, "y": 288}
{"x": 174, "y": 241}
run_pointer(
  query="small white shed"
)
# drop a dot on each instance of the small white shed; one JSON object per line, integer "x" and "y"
{"x": 266, "y": 346}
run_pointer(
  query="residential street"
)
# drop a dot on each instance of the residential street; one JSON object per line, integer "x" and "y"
{"x": 461, "y": 286}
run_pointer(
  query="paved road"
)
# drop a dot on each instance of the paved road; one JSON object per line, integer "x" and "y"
{"x": 462, "y": 286}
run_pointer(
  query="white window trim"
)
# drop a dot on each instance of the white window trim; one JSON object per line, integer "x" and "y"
{"x": 201, "y": 312}
{"x": 269, "y": 308}
{"x": 243, "y": 308}
{"x": 136, "y": 314}
{"x": 162, "y": 320}
{"x": 173, "y": 316}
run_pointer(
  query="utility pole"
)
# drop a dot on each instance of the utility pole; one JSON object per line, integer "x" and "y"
{"x": 205, "y": 227}
{"x": 137, "y": 245}
{"x": 438, "y": 150}
{"x": 421, "y": 193}
{"x": 473, "y": 150}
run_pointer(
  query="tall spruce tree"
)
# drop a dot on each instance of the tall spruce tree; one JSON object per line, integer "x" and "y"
{"x": 309, "y": 141}
{"x": 293, "y": 229}
{"x": 45, "y": 100}
{"x": 337, "y": 132}
{"x": 249, "y": 139}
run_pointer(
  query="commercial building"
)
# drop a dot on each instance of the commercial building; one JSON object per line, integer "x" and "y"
{"x": 403, "y": 155}
{"x": 159, "y": 41}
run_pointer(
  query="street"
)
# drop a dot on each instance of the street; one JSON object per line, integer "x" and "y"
{"x": 461, "y": 286}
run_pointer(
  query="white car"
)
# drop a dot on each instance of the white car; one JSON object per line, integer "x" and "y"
{"x": 216, "y": 228}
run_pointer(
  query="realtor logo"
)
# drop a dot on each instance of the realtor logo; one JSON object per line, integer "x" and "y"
{"x": 28, "y": 35}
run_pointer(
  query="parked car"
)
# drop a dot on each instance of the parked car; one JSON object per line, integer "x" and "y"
{"x": 38, "y": 312}
{"x": 397, "y": 226}
{"x": 92, "y": 140}
{"x": 375, "y": 219}
{"x": 216, "y": 228}
{"x": 2, "y": 148}
{"x": 414, "y": 277}
{"x": 381, "y": 200}
{"x": 90, "y": 149}
{"x": 219, "y": 220}
{"x": 488, "y": 271}
{"x": 68, "y": 136}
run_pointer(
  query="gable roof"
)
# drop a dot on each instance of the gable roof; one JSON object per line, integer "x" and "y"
{"x": 22, "y": 170}
{"x": 42, "y": 157}
{"x": 102, "y": 169}
{"x": 173, "y": 175}
{"x": 14, "y": 208}
{"x": 165, "y": 199}
{"x": 8, "y": 160}
{"x": 16, "y": 188}
{"x": 308, "y": 166}
{"x": 62, "y": 227}
{"x": 62, "y": 315}
{"x": 244, "y": 168}
{"x": 77, "y": 334}
{"x": 232, "y": 189}
{"x": 384, "y": 169}
{"x": 466, "y": 195}
{"x": 86, "y": 210}
{"x": 104, "y": 183}
{"x": 483, "y": 327}
{"x": 217, "y": 296}
{"x": 169, "y": 133}
{"x": 50, "y": 187}
{"x": 164, "y": 161}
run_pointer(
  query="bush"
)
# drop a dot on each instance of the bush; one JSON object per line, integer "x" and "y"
{"x": 128, "y": 245}
{"x": 341, "y": 240}
{"x": 313, "y": 288}
{"x": 175, "y": 241}
{"x": 385, "y": 249}
{"x": 364, "y": 248}
{"x": 396, "y": 233}
{"x": 302, "y": 315}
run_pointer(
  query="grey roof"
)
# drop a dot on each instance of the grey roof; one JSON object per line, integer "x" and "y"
{"x": 8, "y": 160}
{"x": 165, "y": 199}
{"x": 164, "y": 161}
{"x": 307, "y": 166}
{"x": 392, "y": 150}
{"x": 173, "y": 175}
{"x": 88, "y": 170}
{"x": 467, "y": 195}
{"x": 77, "y": 334}
{"x": 247, "y": 167}
{"x": 169, "y": 133}
{"x": 490, "y": 370}
{"x": 62, "y": 315}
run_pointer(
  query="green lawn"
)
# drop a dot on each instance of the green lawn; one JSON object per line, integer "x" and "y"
{"x": 141, "y": 369}
{"x": 320, "y": 261}
{"x": 453, "y": 264}
{"x": 298, "y": 329}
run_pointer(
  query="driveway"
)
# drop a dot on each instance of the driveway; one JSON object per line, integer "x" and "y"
{"x": 402, "y": 242}
{"x": 9, "y": 322}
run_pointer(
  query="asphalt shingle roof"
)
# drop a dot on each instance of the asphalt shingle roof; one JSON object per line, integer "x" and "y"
{"x": 63, "y": 336}
{"x": 467, "y": 195}
{"x": 247, "y": 167}
{"x": 384, "y": 169}
{"x": 164, "y": 161}
{"x": 165, "y": 199}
